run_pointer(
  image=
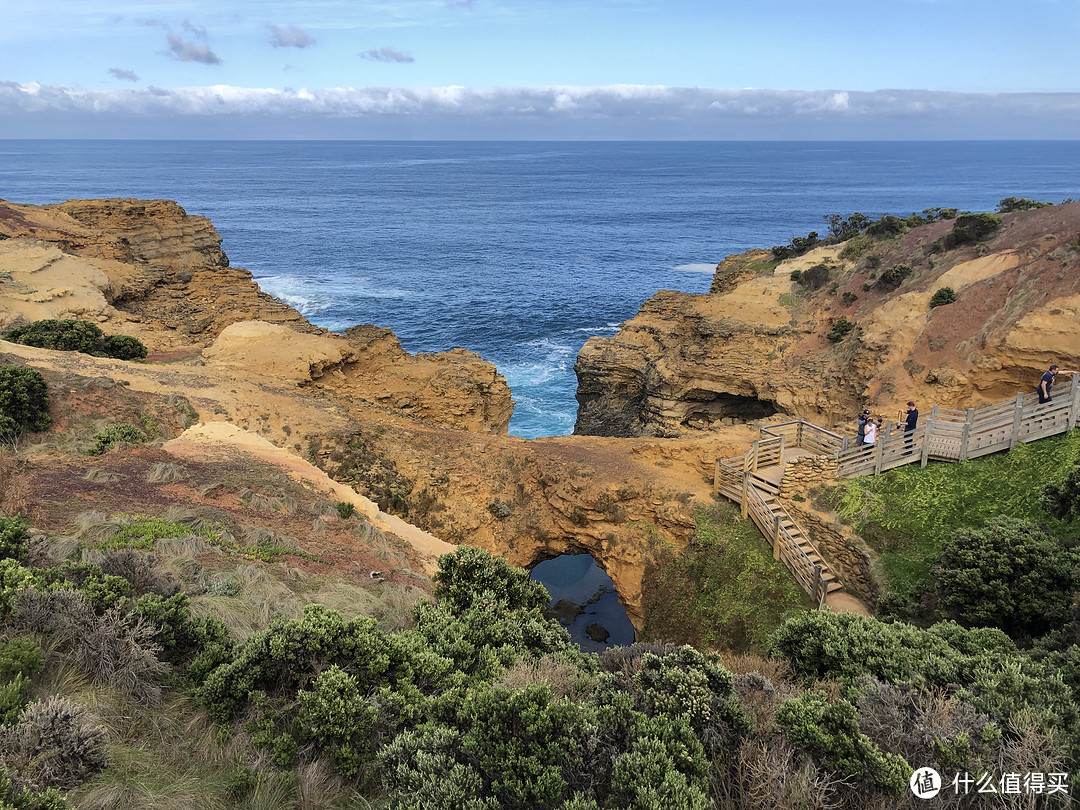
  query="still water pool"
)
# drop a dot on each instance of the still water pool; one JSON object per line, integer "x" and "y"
{"x": 584, "y": 600}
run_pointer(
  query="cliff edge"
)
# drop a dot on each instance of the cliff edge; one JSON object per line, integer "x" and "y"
{"x": 845, "y": 326}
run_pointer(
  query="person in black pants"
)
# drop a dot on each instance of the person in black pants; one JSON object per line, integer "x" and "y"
{"x": 909, "y": 427}
{"x": 1047, "y": 380}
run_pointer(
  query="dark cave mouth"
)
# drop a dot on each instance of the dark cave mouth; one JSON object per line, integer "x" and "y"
{"x": 705, "y": 408}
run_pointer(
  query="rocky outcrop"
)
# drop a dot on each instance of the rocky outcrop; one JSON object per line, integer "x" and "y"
{"x": 758, "y": 343}
{"x": 148, "y": 269}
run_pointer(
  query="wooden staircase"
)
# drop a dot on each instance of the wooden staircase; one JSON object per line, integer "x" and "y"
{"x": 803, "y": 541}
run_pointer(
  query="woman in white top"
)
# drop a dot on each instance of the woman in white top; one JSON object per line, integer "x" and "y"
{"x": 871, "y": 431}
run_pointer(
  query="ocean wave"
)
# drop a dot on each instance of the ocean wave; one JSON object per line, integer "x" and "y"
{"x": 695, "y": 268}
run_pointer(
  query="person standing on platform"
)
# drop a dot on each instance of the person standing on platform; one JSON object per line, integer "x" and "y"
{"x": 871, "y": 431}
{"x": 1047, "y": 381}
{"x": 909, "y": 427}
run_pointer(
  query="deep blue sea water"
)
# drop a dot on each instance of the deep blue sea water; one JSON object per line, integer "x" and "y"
{"x": 520, "y": 251}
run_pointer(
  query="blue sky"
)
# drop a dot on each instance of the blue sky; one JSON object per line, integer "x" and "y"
{"x": 778, "y": 69}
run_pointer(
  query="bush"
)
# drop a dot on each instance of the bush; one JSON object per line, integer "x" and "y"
{"x": 1063, "y": 500}
{"x": 1010, "y": 204}
{"x": 62, "y": 335}
{"x": 942, "y": 296}
{"x": 13, "y": 539}
{"x": 469, "y": 575}
{"x": 894, "y": 276}
{"x": 814, "y": 277}
{"x": 1011, "y": 574}
{"x": 970, "y": 228}
{"x": 55, "y": 744}
{"x": 76, "y": 336}
{"x": 885, "y": 227}
{"x": 114, "y": 434}
{"x": 841, "y": 326}
{"x": 850, "y": 298}
{"x": 345, "y": 509}
{"x": 830, "y": 730}
{"x": 123, "y": 347}
{"x": 24, "y": 402}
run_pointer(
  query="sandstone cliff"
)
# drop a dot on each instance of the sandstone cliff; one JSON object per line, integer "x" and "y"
{"x": 423, "y": 436}
{"x": 757, "y": 344}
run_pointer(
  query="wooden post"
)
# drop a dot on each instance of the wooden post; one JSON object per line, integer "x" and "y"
{"x": 967, "y": 434}
{"x": 799, "y": 435}
{"x": 745, "y": 494}
{"x": 819, "y": 586}
{"x": 844, "y": 444}
{"x": 1074, "y": 403}
{"x": 757, "y": 453}
{"x": 746, "y": 459}
{"x": 776, "y": 537}
{"x": 879, "y": 449}
{"x": 1018, "y": 418}
{"x": 928, "y": 431}
{"x": 716, "y": 479}
{"x": 781, "y": 459}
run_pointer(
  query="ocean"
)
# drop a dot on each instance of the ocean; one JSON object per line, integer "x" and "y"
{"x": 520, "y": 251}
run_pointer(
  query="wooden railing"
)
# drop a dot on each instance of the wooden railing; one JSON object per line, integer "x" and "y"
{"x": 735, "y": 480}
{"x": 951, "y": 435}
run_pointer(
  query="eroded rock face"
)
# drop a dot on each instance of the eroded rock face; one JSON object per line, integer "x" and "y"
{"x": 148, "y": 269}
{"x": 757, "y": 345}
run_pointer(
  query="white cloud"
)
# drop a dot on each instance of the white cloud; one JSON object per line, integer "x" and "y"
{"x": 291, "y": 37}
{"x": 126, "y": 75}
{"x": 621, "y": 111}
{"x": 184, "y": 50}
{"x": 386, "y": 54}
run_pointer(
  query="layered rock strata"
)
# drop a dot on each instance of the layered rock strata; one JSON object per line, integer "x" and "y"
{"x": 758, "y": 343}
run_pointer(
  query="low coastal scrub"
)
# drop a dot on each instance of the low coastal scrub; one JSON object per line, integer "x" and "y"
{"x": 911, "y": 515}
{"x": 724, "y": 590}
{"x": 479, "y": 701}
{"x": 76, "y": 336}
{"x": 24, "y": 402}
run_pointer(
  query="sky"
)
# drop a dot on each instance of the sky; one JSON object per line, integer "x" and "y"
{"x": 541, "y": 69}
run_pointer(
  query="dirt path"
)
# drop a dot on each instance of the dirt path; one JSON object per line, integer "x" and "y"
{"x": 192, "y": 443}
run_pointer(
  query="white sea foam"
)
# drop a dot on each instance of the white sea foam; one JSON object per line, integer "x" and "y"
{"x": 695, "y": 268}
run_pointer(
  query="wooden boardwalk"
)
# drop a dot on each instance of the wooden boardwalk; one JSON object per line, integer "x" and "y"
{"x": 752, "y": 480}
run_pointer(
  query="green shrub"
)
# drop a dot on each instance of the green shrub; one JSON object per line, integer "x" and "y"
{"x": 76, "y": 336}
{"x": 469, "y": 575}
{"x": 24, "y": 402}
{"x": 1010, "y": 204}
{"x": 59, "y": 335}
{"x": 942, "y": 296}
{"x": 115, "y": 434}
{"x": 830, "y": 730}
{"x": 13, "y": 539}
{"x": 345, "y": 509}
{"x": 795, "y": 275}
{"x": 893, "y": 277}
{"x": 840, "y": 328}
{"x": 970, "y": 228}
{"x": 885, "y": 227}
{"x": 20, "y": 656}
{"x": 814, "y": 277}
{"x": 123, "y": 347}
{"x": 1011, "y": 574}
{"x": 1062, "y": 500}
{"x": 850, "y": 298}
{"x": 335, "y": 715}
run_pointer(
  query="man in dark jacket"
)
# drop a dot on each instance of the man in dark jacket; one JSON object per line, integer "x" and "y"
{"x": 909, "y": 426}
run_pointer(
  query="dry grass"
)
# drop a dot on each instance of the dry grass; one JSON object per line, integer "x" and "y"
{"x": 164, "y": 473}
{"x": 102, "y": 476}
{"x": 564, "y": 679}
{"x": 14, "y": 487}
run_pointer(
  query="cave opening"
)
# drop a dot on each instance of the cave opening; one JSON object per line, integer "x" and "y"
{"x": 584, "y": 601}
{"x": 703, "y": 408}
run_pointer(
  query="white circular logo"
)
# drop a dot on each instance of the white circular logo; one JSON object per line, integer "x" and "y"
{"x": 925, "y": 783}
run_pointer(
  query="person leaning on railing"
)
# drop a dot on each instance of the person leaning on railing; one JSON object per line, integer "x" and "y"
{"x": 1047, "y": 381}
